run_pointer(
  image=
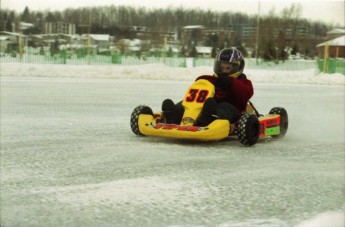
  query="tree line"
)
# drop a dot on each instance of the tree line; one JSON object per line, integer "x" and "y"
{"x": 112, "y": 20}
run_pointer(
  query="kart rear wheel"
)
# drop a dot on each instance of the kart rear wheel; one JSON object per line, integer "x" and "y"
{"x": 135, "y": 116}
{"x": 248, "y": 129}
{"x": 284, "y": 120}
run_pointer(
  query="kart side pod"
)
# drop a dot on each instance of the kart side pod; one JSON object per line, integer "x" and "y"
{"x": 217, "y": 130}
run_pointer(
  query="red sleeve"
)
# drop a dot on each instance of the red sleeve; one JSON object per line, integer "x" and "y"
{"x": 242, "y": 90}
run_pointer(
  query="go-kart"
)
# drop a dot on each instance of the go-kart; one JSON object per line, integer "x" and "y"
{"x": 249, "y": 127}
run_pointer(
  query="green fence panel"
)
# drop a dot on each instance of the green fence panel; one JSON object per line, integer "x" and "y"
{"x": 175, "y": 62}
{"x": 82, "y": 58}
{"x": 320, "y": 65}
{"x": 331, "y": 66}
{"x": 340, "y": 66}
{"x": 172, "y": 62}
{"x": 203, "y": 62}
{"x": 116, "y": 59}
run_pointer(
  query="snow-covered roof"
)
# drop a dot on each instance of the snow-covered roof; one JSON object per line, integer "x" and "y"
{"x": 37, "y": 36}
{"x": 3, "y": 38}
{"x": 131, "y": 43}
{"x": 134, "y": 48}
{"x": 76, "y": 46}
{"x": 12, "y": 33}
{"x": 99, "y": 37}
{"x": 135, "y": 42}
{"x": 340, "y": 41}
{"x": 203, "y": 50}
{"x": 72, "y": 36}
{"x": 194, "y": 27}
{"x": 337, "y": 31}
{"x": 24, "y": 25}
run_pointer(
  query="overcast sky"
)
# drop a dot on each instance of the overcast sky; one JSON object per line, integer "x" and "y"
{"x": 317, "y": 10}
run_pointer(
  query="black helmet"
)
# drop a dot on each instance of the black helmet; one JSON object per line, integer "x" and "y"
{"x": 230, "y": 56}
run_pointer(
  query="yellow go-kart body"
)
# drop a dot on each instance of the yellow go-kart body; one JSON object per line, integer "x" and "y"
{"x": 249, "y": 128}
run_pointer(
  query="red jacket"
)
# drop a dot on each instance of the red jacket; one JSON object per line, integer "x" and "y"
{"x": 239, "y": 91}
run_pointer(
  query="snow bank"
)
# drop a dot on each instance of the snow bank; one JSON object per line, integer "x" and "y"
{"x": 331, "y": 219}
{"x": 162, "y": 72}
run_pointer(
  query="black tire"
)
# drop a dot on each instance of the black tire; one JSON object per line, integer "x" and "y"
{"x": 284, "y": 120}
{"x": 135, "y": 115}
{"x": 248, "y": 129}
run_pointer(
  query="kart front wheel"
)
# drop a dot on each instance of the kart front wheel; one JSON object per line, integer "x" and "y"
{"x": 284, "y": 120}
{"x": 248, "y": 129}
{"x": 135, "y": 116}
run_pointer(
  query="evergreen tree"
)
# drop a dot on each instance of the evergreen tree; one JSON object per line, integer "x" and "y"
{"x": 26, "y": 15}
{"x": 193, "y": 53}
{"x": 54, "y": 47}
{"x": 9, "y": 26}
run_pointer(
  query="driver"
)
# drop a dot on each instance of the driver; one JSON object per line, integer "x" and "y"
{"x": 233, "y": 91}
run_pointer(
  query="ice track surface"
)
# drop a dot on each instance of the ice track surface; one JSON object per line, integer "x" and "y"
{"x": 69, "y": 158}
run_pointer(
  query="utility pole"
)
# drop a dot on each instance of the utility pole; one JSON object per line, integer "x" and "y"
{"x": 257, "y": 34}
{"x": 89, "y": 39}
{"x": 2, "y": 21}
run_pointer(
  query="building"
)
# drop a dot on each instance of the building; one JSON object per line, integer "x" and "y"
{"x": 46, "y": 39}
{"x": 13, "y": 40}
{"x": 101, "y": 41}
{"x": 59, "y": 28}
{"x": 246, "y": 33}
{"x": 192, "y": 34}
{"x": 219, "y": 38}
{"x": 133, "y": 32}
{"x": 203, "y": 51}
{"x": 4, "y": 41}
{"x": 23, "y": 26}
{"x": 334, "y": 48}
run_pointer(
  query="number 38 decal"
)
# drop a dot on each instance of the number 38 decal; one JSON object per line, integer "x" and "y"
{"x": 197, "y": 95}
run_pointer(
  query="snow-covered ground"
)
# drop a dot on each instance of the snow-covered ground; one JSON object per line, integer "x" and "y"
{"x": 161, "y": 72}
{"x": 69, "y": 158}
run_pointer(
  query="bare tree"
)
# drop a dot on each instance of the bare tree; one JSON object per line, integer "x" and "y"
{"x": 292, "y": 13}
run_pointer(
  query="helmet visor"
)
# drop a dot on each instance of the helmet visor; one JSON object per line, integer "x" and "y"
{"x": 224, "y": 68}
